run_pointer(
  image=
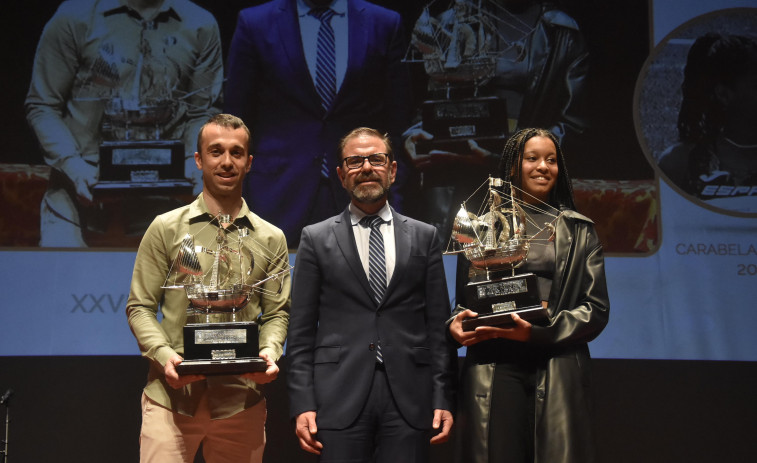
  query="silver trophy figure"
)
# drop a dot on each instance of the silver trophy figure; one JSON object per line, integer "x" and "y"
{"x": 495, "y": 242}
{"x": 219, "y": 277}
{"x": 458, "y": 56}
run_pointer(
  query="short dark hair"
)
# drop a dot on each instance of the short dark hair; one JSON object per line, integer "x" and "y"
{"x": 227, "y": 121}
{"x": 369, "y": 132}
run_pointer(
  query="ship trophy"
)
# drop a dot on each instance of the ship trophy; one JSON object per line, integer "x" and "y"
{"x": 455, "y": 47}
{"x": 135, "y": 155}
{"x": 219, "y": 279}
{"x": 495, "y": 242}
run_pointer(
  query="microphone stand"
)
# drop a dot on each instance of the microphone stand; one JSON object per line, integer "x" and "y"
{"x": 5, "y": 400}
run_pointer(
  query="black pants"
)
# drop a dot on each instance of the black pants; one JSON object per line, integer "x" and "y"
{"x": 511, "y": 422}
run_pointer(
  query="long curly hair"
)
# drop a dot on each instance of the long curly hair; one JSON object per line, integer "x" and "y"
{"x": 511, "y": 166}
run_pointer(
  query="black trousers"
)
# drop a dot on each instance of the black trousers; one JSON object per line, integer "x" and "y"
{"x": 380, "y": 434}
{"x": 511, "y": 422}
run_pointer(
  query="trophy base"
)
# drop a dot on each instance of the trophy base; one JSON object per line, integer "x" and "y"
{"x": 221, "y": 349}
{"x": 221, "y": 367}
{"x": 505, "y": 319}
{"x": 496, "y": 300}
{"x": 493, "y": 143}
{"x": 156, "y": 187}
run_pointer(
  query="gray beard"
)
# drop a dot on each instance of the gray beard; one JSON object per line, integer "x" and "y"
{"x": 369, "y": 195}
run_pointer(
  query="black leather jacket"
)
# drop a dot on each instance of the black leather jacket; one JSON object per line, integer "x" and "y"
{"x": 579, "y": 310}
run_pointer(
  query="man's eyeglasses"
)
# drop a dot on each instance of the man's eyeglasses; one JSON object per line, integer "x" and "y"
{"x": 375, "y": 159}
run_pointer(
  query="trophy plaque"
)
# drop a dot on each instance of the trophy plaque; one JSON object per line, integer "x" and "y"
{"x": 140, "y": 172}
{"x": 495, "y": 243}
{"x": 156, "y": 165}
{"x": 221, "y": 348}
{"x": 455, "y": 49}
{"x": 135, "y": 154}
{"x": 217, "y": 279}
{"x": 137, "y": 181}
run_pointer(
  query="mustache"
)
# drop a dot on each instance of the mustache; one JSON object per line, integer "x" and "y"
{"x": 372, "y": 177}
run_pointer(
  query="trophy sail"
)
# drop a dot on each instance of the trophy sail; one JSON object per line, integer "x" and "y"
{"x": 219, "y": 277}
{"x": 495, "y": 242}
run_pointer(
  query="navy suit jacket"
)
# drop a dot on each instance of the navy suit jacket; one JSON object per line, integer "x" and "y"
{"x": 270, "y": 88}
{"x": 335, "y": 323}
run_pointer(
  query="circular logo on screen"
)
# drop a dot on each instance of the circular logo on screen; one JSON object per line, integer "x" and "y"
{"x": 695, "y": 110}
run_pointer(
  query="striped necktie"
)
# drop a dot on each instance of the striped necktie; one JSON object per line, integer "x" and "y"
{"x": 376, "y": 265}
{"x": 325, "y": 63}
{"x": 376, "y": 257}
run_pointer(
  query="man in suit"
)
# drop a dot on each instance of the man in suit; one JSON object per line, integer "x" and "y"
{"x": 370, "y": 370}
{"x": 273, "y": 85}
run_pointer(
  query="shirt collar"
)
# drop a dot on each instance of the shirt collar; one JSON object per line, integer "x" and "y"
{"x": 198, "y": 210}
{"x": 111, "y": 7}
{"x": 356, "y": 214}
{"x": 304, "y": 7}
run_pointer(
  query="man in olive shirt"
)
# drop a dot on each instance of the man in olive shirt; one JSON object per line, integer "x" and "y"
{"x": 103, "y": 69}
{"x": 224, "y": 413}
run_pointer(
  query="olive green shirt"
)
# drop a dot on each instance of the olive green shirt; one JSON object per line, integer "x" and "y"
{"x": 160, "y": 340}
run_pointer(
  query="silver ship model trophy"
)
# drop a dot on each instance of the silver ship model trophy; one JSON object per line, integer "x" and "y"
{"x": 219, "y": 279}
{"x": 460, "y": 47}
{"x": 495, "y": 241}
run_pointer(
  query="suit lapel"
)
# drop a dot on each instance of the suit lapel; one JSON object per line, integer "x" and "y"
{"x": 345, "y": 239}
{"x": 357, "y": 33}
{"x": 402, "y": 244}
{"x": 291, "y": 39}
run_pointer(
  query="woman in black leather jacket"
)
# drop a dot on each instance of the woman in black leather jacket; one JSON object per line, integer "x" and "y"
{"x": 525, "y": 389}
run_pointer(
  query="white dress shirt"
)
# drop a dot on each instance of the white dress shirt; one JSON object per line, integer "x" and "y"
{"x": 363, "y": 234}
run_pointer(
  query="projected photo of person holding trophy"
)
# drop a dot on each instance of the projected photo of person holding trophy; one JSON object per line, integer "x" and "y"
{"x": 524, "y": 383}
{"x": 219, "y": 276}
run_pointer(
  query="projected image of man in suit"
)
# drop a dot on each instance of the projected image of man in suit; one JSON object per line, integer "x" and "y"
{"x": 313, "y": 70}
{"x": 370, "y": 373}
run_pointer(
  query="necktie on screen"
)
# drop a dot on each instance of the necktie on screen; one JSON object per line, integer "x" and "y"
{"x": 376, "y": 265}
{"x": 325, "y": 63}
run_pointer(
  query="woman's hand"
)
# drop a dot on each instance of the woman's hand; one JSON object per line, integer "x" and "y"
{"x": 521, "y": 331}
{"x": 466, "y": 338}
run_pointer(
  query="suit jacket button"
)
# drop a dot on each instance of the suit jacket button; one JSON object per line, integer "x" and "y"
{"x": 371, "y": 346}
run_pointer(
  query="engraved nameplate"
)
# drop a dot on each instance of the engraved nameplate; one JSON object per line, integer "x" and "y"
{"x": 463, "y": 131}
{"x": 144, "y": 176}
{"x": 502, "y": 288}
{"x": 224, "y": 354}
{"x": 142, "y": 156}
{"x": 504, "y": 306}
{"x": 225, "y": 336}
{"x": 462, "y": 110}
